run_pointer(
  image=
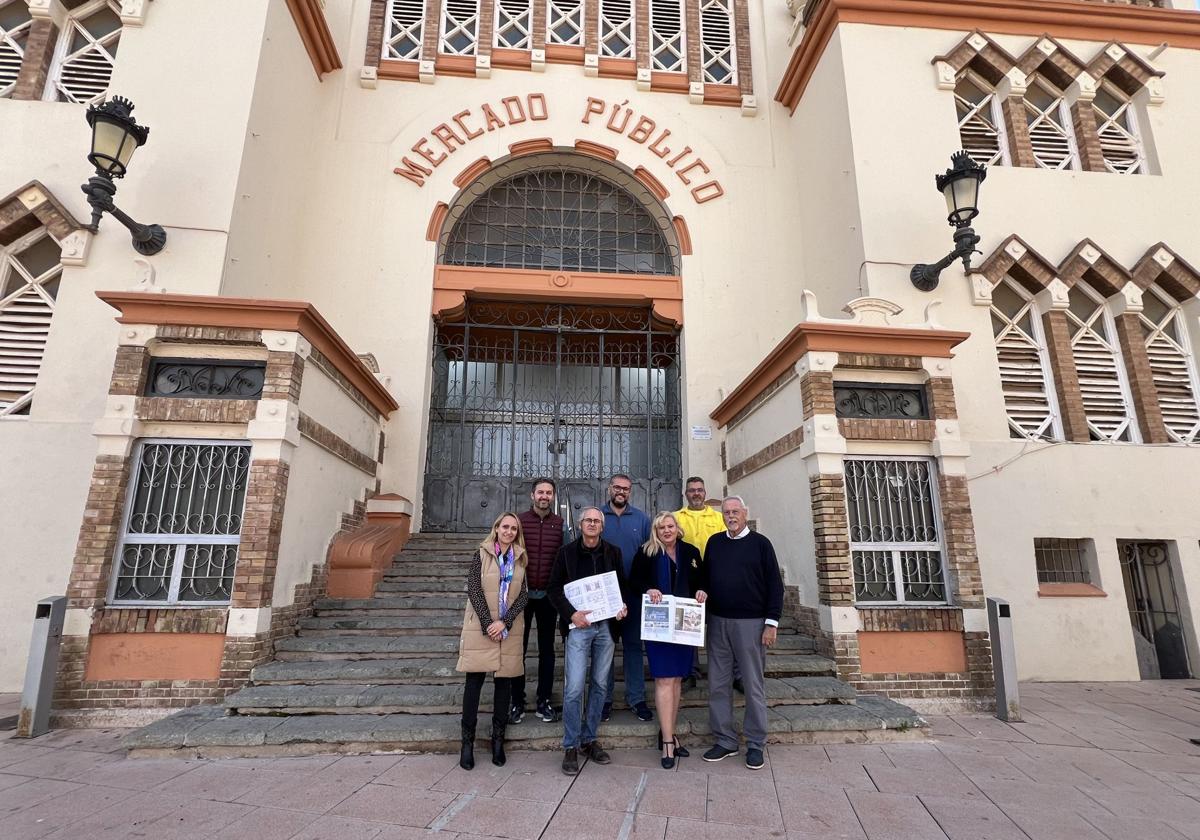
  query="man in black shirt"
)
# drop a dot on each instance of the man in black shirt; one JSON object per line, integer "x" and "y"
{"x": 587, "y": 556}
{"x": 745, "y": 601}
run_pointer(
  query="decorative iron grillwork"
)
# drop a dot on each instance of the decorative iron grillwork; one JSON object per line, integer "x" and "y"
{"x": 1061, "y": 560}
{"x": 559, "y": 218}
{"x": 570, "y": 392}
{"x": 183, "y": 523}
{"x": 878, "y": 401}
{"x": 895, "y": 535}
{"x": 87, "y": 51}
{"x": 223, "y": 380}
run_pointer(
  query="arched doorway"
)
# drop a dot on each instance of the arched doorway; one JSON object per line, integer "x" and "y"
{"x": 563, "y": 386}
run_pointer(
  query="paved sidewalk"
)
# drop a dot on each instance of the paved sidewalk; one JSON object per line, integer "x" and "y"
{"x": 1096, "y": 761}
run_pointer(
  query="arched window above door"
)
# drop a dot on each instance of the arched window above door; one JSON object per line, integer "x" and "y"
{"x": 560, "y": 215}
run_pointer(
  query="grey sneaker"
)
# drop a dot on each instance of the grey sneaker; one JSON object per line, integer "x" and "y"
{"x": 716, "y": 752}
{"x": 570, "y": 764}
{"x": 754, "y": 759}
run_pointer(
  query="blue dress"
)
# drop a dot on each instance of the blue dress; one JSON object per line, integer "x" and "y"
{"x": 670, "y": 578}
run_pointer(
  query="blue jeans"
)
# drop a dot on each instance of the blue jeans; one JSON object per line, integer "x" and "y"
{"x": 635, "y": 674}
{"x": 595, "y": 641}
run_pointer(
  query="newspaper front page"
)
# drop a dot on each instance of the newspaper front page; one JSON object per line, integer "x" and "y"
{"x": 601, "y": 594}
{"x": 678, "y": 620}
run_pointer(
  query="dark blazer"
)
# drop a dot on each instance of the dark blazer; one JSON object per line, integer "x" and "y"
{"x": 687, "y": 579}
{"x": 573, "y": 562}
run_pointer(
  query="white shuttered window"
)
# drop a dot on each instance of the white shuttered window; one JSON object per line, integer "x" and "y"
{"x": 667, "y": 45}
{"x": 1171, "y": 364}
{"x": 86, "y": 53}
{"x": 29, "y": 278}
{"x": 1116, "y": 126}
{"x": 405, "y": 29}
{"x": 564, "y": 23}
{"x": 460, "y": 27}
{"x": 1106, "y": 400}
{"x": 980, "y": 120}
{"x": 616, "y": 28}
{"x": 1050, "y": 130}
{"x": 14, "y": 30}
{"x": 718, "y": 60}
{"x": 514, "y": 24}
{"x": 1024, "y": 366}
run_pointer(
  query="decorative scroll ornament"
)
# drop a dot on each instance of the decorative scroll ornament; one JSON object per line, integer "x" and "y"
{"x": 880, "y": 402}
{"x": 214, "y": 380}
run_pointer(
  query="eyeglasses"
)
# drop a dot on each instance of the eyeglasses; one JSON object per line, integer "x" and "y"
{"x": 592, "y": 521}
{"x": 619, "y": 487}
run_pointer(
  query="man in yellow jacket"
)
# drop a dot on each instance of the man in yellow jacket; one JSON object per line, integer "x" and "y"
{"x": 698, "y": 522}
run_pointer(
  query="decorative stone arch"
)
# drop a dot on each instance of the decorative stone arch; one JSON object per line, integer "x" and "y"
{"x": 33, "y": 206}
{"x": 1014, "y": 258}
{"x": 980, "y": 54}
{"x": 662, "y": 289}
{"x": 1161, "y": 265}
{"x": 1127, "y": 71}
{"x": 1053, "y": 62}
{"x": 1088, "y": 262}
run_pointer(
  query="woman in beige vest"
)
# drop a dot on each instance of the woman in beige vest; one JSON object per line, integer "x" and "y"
{"x": 493, "y": 629}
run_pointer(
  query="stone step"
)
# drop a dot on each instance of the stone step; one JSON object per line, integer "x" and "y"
{"x": 420, "y": 587}
{"x": 435, "y": 699}
{"x": 394, "y": 605}
{"x": 206, "y": 731}
{"x": 405, "y": 646}
{"x": 429, "y": 625}
{"x": 441, "y": 670}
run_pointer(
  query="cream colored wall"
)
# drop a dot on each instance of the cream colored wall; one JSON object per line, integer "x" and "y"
{"x": 325, "y": 401}
{"x": 768, "y": 422}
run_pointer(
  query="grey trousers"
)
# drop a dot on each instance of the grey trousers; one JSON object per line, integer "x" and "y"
{"x": 736, "y": 641}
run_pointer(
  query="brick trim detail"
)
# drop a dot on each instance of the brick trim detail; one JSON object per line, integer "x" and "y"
{"x": 879, "y": 361}
{"x": 233, "y": 336}
{"x": 958, "y": 535}
{"x": 816, "y": 393}
{"x": 35, "y": 65}
{"x": 99, "y": 532}
{"x": 16, "y": 219}
{"x": 262, "y": 523}
{"x": 130, "y": 370}
{"x": 974, "y": 686}
{"x": 767, "y": 455}
{"x": 159, "y": 620}
{"x": 942, "y": 405}
{"x": 911, "y": 619}
{"x": 431, "y": 34}
{"x": 1057, "y": 330}
{"x": 284, "y": 376}
{"x": 318, "y": 360}
{"x": 376, "y": 25}
{"x": 332, "y": 443}
{"x": 741, "y": 34}
{"x": 691, "y": 12}
{"x": 1141, "y": 379}
{"x": 831, "y": 539}
{"x": 191, "y": 410}
{"x": 856, "y": 428}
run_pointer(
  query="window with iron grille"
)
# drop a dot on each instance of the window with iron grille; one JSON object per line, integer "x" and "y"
{"x": 29, "y": 277}
{"x": 15, "y": 22}
{"x": 183, "y": 523}
{"x": 895, "y": 531}
{"x": 1061, "y": 560}
{"x": 86, "y": 52}
{"x": 1117, "y": 128}
{"x": 668, "y": 52}
{"x": 980, "y": 120}
{"x": 616, "y": 28}
{"x": 1107, "y": 403}
{"x": 1050, "y": 131}
{"x": 460, "y": 27}
{"x": 1172, "y": 365}
{"x": 514, "y": 24}
{"x": 564, "y": 23}
{"x": 404, "y": 29}
{"x": 1021, "y": 354}
{"x": 718, "y": 61}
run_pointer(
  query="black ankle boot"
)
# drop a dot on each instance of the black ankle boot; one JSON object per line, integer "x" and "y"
{"x": 498, "y": 757}
{"x": 466, "y": 755}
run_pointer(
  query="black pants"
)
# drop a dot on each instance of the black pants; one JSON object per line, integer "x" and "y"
{"x": 547, "y": 622}
{"x": 471, "y": 699}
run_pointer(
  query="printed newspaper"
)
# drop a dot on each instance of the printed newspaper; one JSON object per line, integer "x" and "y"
{"x": 678, "y": 620}
{"x": 599, "y": 593}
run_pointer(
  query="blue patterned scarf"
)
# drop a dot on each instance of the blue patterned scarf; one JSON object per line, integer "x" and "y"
{"x": 507, "y": 562}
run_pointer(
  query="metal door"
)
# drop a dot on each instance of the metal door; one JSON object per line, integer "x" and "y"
{"x": 1154, "y": 605}
{"x": 571, "y": 392}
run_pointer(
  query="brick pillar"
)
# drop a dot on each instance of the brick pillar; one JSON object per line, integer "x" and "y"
{"x": 1083, "y": 119}
{"x": 691, "y": 9}
{"x": 539, "y": 26}
{"x": 130, "y": 370}
{"x": 375, "y": 29}
{"x": 35, "y": 66}
{"x": 433, "y": 30}
{"x": 1066, "y": 377}
{"x": 962, "y": 560}
{"x": 99, "y": 532}
{"x": 266, "y": 491}
{"x": 641, "y": 34}
{"x": 485, "y": 32}
{"x": 741, "y": 37}
{"x": 591, "y": 27}
{"x": 1017, "y": 130}
{"x": 941, "y": 398}
{"x": 835, "y": 577}
{"x": 1141, "y": 379}
{"x": 816, "y": 393}
{"x": 283, "y": 377}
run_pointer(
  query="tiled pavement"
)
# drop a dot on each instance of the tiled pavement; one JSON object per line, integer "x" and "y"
{"x": 1096, "y": 761}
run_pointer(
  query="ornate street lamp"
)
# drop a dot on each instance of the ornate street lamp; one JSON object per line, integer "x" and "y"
{"x": 960, "y": 186}
{"x": 115, "y": 137}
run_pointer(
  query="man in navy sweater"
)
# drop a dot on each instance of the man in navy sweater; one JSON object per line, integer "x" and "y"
{"x": 745, "y": 601}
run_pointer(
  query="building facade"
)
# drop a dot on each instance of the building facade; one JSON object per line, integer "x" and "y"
{"x": 422, "y": 251}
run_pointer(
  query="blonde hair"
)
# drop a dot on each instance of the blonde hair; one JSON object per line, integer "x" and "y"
{"x": 653, "y": 546}
{"x": 493, "y": 537}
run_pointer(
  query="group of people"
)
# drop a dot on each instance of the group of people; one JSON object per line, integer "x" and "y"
{"x": 517, "y": 579}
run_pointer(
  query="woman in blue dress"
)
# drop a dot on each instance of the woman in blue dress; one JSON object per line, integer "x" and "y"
{"x": 666, "y": 565}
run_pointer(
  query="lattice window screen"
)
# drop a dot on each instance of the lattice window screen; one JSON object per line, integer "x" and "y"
{"x": 616, "y": 28}
{"x": 1171, "y": 363}
{"x": 980, "y": 120}
{"x": 667, "y": 49}
{"x": 1050, "y": 130}
{"x": 460, "y": 27}
{"x": 514, "y": 24}
{"x": 405, "y": 22}
{"x": 29, "y": 276}
{"x": 1116, "y": 125}
{"x": 1024, "y": 367}
{"x": 1102, "y": 385}
{"x": 87, "y": 51}
{"x": 14, "y": 30}
{"x": 564, "y": 23}
{"x": 718, "y": 60}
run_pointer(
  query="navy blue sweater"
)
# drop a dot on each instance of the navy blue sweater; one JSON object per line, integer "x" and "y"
{"x": 742, "y": 577}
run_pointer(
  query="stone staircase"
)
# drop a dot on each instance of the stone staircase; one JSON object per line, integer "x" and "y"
{"x": 377, "y": 674}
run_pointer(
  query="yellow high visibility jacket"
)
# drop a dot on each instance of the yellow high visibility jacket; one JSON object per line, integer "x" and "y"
{"x": 699, "y": 525}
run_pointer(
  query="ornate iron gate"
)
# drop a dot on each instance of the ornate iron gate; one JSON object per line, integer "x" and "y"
{"x": 1154, "y": 604}
{"x": 576, "y": 393}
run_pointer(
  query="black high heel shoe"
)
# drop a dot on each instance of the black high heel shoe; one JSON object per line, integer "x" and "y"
{"x": 680, "y": 751}
{"x": 668, "y": 761}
